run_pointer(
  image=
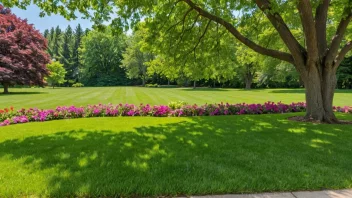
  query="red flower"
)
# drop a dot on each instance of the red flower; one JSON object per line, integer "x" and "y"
{"x": 11, "y": 108}
{"x": 2, "y": 111}
{"x": 6, "y": 110}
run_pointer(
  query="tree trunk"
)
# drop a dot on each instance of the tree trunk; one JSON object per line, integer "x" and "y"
{"x": 248, "y": 80}
{"x": 6, "y": 88}
{"x": 249, "y": 75}
{"x": 194, "y": 85}
{"x": 248, "y": 83}
{"x": 143, "y": 81}
{"x": 320, "y": 87}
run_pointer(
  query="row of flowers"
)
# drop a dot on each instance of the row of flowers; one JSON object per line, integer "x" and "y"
{"x": 174, "y": 109}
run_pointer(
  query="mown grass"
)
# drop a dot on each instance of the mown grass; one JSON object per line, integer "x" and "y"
{"x": 51, "y": 98}
{"x": 148, "y": 156}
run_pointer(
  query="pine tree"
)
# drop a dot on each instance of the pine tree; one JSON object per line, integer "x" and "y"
{"x": 52, "y": 34}
{"x": 56, "y": 43}
{"x": 86, "y": 31}
{"x": 50, "y": 39}
{"x": 46, "y": 33}
{"x": 66, "y": 53}
{"x": 77, "y": 43}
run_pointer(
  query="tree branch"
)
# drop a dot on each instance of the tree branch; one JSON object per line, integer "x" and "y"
{"x": 337, "y": 39}
{"x": 202, "y": 36}
{"x": 306, "y": 15}
{"x": 184, "y": 32}
{"x": 342, "y": 54}
{"x": 321, "y": 16}
{"x": 296, "y": 49}
{"x": 265, "y": 51}
{"x": 171, "y": 11}
{"x": 181, "y": 21}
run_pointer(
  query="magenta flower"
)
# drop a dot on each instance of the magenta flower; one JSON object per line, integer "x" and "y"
{"x": 35, "y": 114}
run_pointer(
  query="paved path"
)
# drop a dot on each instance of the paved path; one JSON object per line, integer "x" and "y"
{"x": 301, "y": 194}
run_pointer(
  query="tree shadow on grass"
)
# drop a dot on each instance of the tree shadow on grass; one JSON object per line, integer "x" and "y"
{"x": 203, "y": 89}
{"x": 302, "y": 91}
{"x": 203, "y": 155}
{"x": 23, "y": 93}
{"x": 252, "y": 90}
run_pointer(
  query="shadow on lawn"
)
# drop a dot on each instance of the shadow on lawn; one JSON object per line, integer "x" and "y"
{"x": 204, "y": 155}
{"x": 204, "y": 89}
{"x": 23, "y": 93}
{"x": 302, "y": 91}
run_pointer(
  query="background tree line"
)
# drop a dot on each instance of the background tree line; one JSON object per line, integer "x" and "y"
{"x": 104, "y": 58}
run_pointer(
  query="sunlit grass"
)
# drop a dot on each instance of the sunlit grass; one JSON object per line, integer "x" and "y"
{"x": 51, "y": 98}
{"x": 148, "y": 156}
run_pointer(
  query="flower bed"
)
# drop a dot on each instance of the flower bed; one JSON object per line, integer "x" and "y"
{"x": 174, "y": 109}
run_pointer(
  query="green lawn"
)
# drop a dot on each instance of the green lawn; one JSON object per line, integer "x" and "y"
{"x": 50, "y": 98}
{"x": 149, "y": 156}
{"x": 146, "y": 156}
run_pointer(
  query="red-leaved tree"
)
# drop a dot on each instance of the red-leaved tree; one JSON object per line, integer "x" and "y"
{"x": 23, "y": 55}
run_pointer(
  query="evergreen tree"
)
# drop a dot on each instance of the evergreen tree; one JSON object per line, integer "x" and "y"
{"x": 46, "y": 33}
{"x": 66, "y": 53}
{"x": 86, "y": 32}
{"x": 52, "y": 34}
{"x": 56, "y": 43}
{"x": 50, "y": 39}
{"x": 75, "y": 53}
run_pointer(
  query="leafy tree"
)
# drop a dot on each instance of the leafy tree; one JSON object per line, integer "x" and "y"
{"x": 304, "y": 28}
{"x": 134, "y": 58}
{"x": 57, "y": 73}
{"x": 22, "y": 51}
{"x": 162, "y": 66}
{"x": 344, "y": 74}
{"x": 101, "y": 56}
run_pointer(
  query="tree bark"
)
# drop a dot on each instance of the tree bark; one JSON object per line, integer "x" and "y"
{"x": 248, "y": 83}
{"x": 320, "y": 87}
{"x": 249, "y": 75}
{"x": 194, "y": 84}
{"x": 143, "y": 81}
{"x": 6, "y": 88}
{"x": 248, "y": 78}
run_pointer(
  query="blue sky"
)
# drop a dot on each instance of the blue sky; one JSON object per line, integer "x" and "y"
{"x": 47, "y": 22}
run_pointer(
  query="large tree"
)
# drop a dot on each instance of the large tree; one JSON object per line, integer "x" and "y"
{"x": 101, "y": 56}
{"x": 135, "y": 57}
{"x": 66, "y": 54}
{"x": 56, "y": 43}
{"x": 75, "y": 52}
{"x": 312, "y": 31}
{"x": 23, "y": 55}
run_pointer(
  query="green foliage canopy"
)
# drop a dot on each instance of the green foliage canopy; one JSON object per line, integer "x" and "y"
{"x": 57, "y": 73}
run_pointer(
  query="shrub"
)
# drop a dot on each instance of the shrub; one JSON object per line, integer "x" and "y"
{"x": 168, "y": 86}
{"x": 151, "y": 85}
{"x": 78, "y": 85}
{"x": 177, "y": 104}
